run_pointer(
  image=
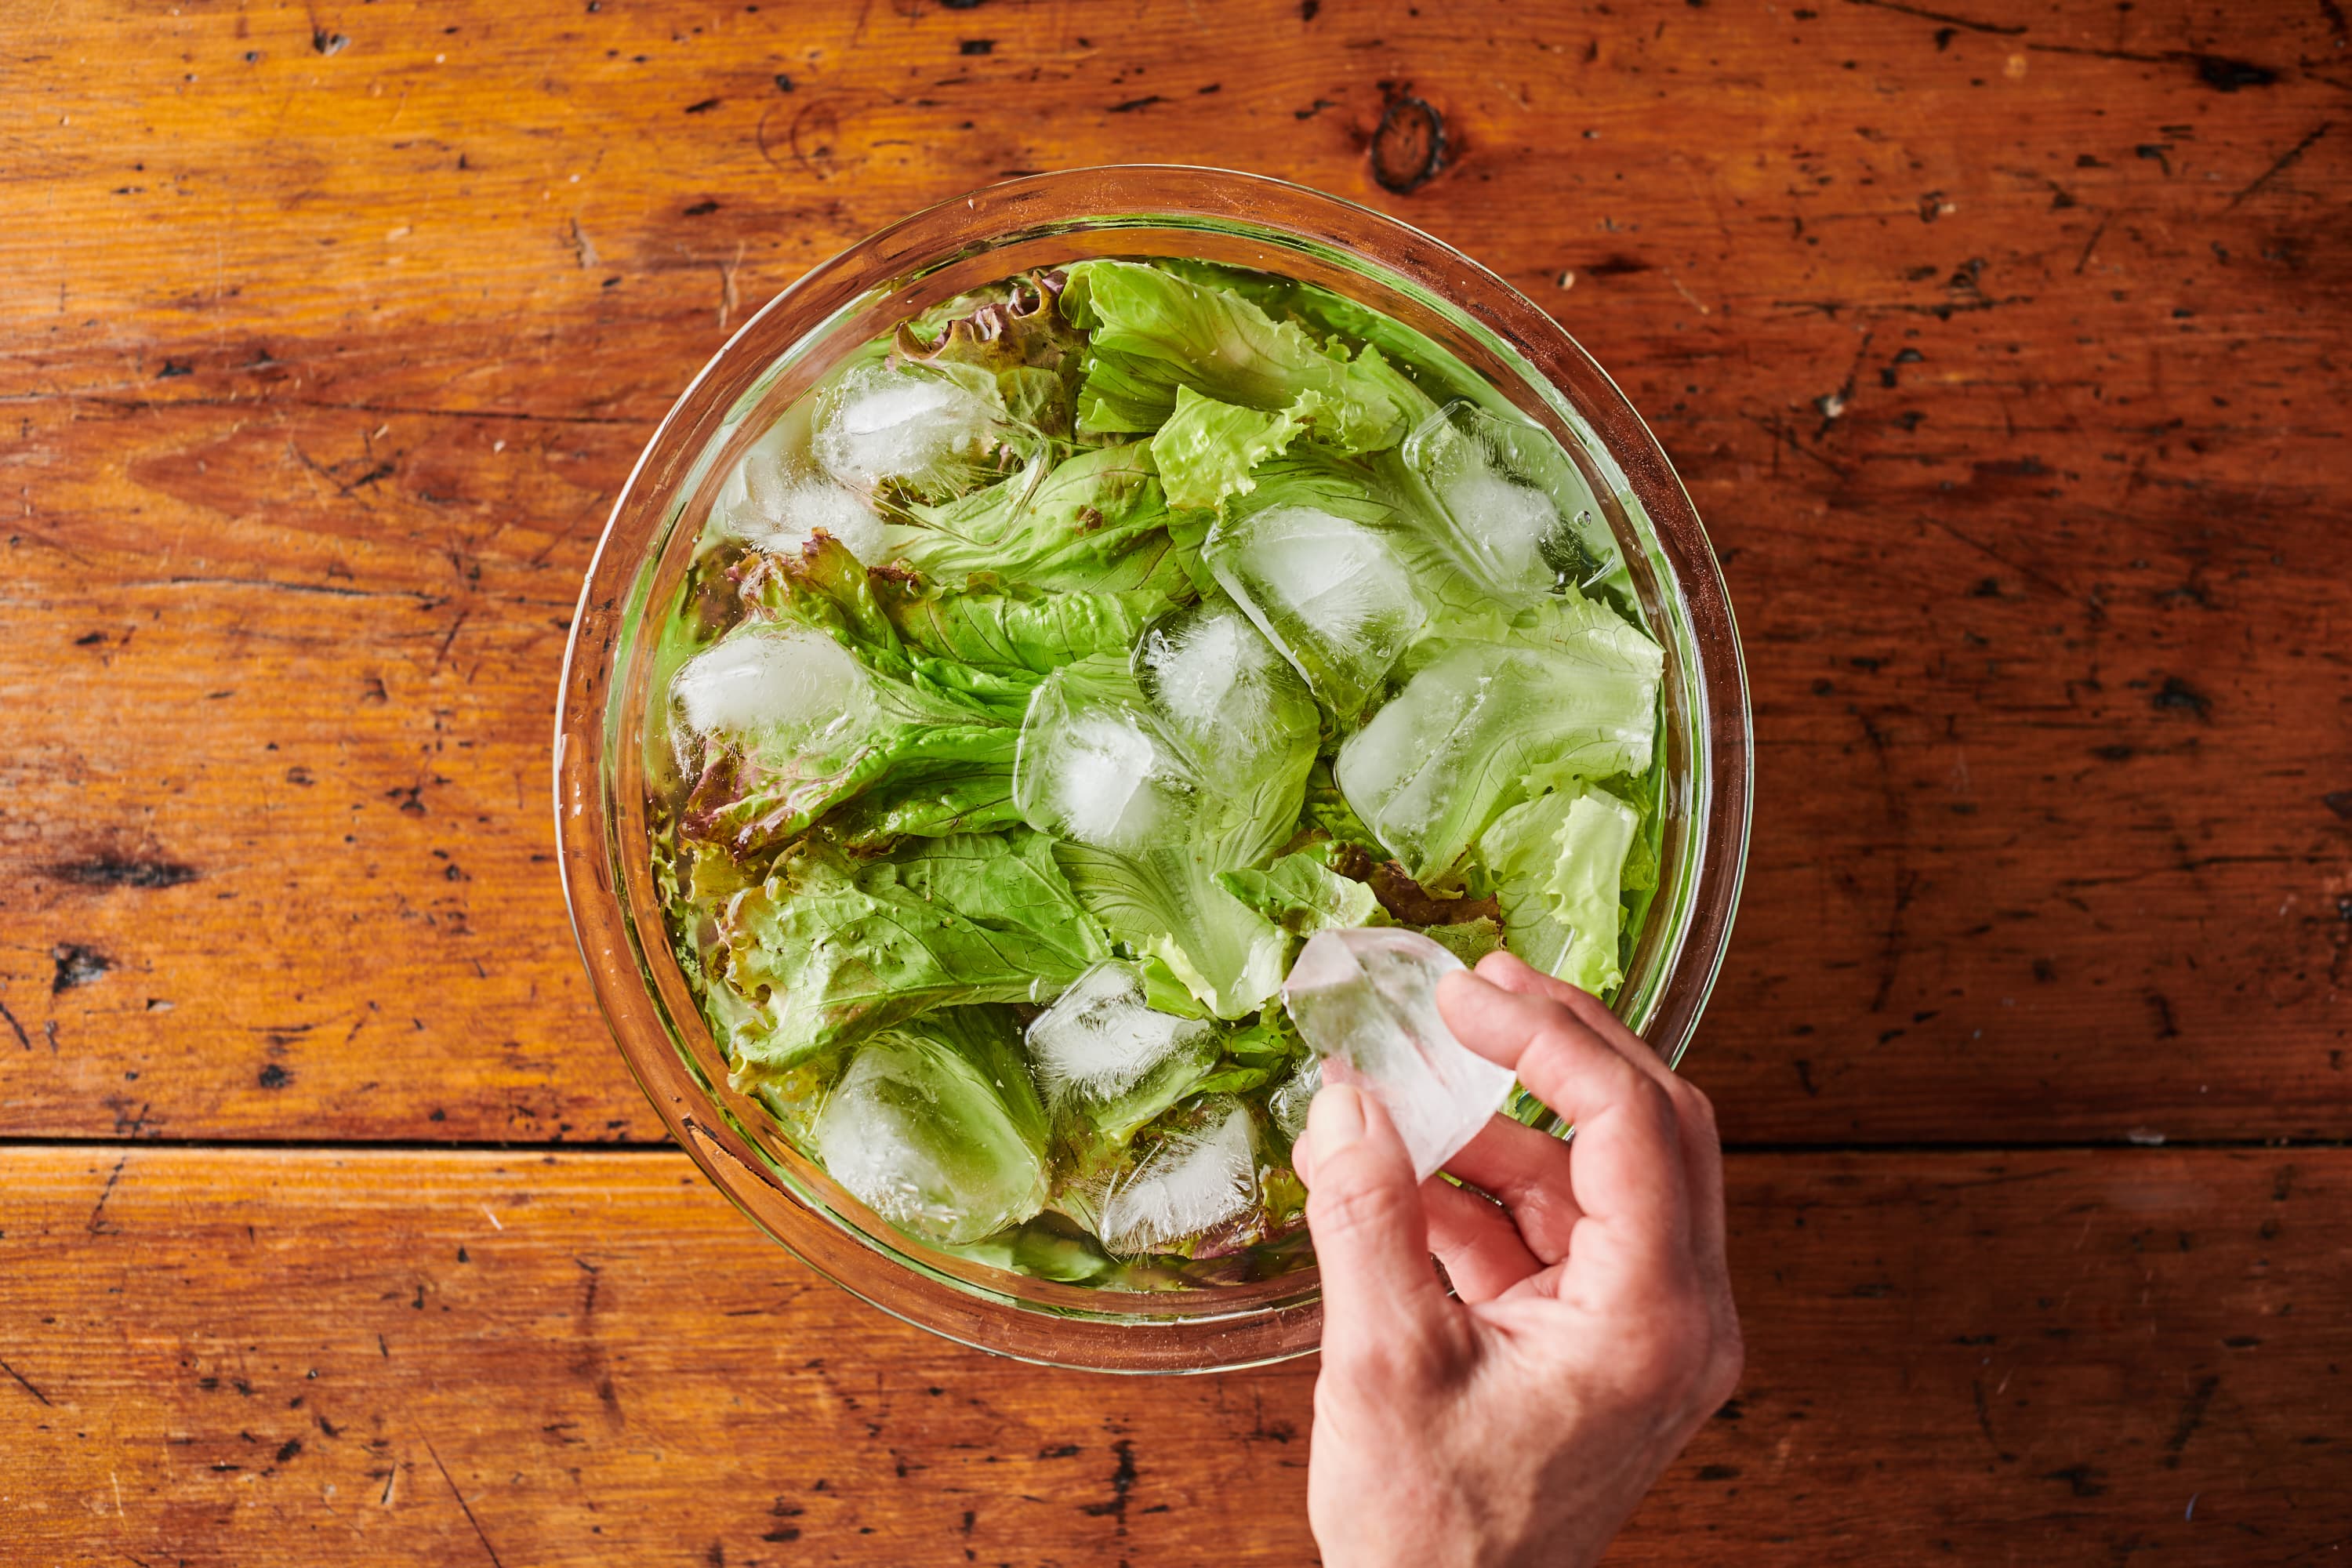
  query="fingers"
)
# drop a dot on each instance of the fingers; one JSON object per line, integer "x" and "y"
{"x": 1514, "y": 973}
{"x": 1481, "y": 1249}
{"x": 1702, "y": 1149}
{"x": 1627, "y": 1168}
{"x": 1380, "y": 1297}
{"x": 1528, "y": 1172}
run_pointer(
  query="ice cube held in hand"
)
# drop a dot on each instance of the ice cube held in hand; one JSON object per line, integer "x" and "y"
{"x": 1197, "y": 1180}
{"x": 1367, "y": 1001}
{"x": 916, "y": 1132}
{"x": 770, "y": 681}
{"x": 1328, "y": 593}
{"x": 1093, "y": 770}
{"x": 1222, "y": 688}
{"x": 1521, "y": 517}
{"x": 878, "y": 424}
{"x": 1101, "y": 1039}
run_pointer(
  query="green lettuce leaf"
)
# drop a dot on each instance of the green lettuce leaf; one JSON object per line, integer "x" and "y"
{"x": 1206, "y": 449}
{"x": 1014, "y": 630}
{"x": 829, "y": 950}
{"x": 1468, "y": 941}
{"x": 1558, "y": 862}
{"x": 1302, "y": 894}
{"x": 1151, "y": 331}
{"x": 1094, "y": 522}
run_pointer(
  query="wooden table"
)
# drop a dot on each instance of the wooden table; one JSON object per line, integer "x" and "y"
{"x": 2004, "y": 349}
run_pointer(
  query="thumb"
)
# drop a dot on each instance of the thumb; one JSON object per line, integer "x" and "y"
{"x": 1371, "y": 1238}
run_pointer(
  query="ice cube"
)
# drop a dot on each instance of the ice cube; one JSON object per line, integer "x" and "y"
{"x": 1522, "y": 518}
{"x": 1199, "y": 1178}
{"x": 770, "y": 681}
{"x": 1101, "y": 1039}
{"x": 1330, "y": 593}
{"x": 1290, "y": 1102}
{"x": 1367, "y": 1001}
{"x": 878, "y": 424}
{"x": 774, "y": 501}
{"x": 916, "y": 1132}
{"x": 1094, "y": 771}
{"x": 1223, "y": 688}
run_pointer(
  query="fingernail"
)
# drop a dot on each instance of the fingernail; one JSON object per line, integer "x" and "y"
{"x": 1334, "y": 1121}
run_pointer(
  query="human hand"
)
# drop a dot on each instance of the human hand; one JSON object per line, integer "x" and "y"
{"x": 1592, "y": 1331}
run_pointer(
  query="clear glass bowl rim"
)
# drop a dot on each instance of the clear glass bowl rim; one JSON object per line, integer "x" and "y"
{"x": 637, "y": 983}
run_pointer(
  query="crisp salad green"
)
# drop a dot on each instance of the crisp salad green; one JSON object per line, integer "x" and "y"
{"x": 1057, "y": 665}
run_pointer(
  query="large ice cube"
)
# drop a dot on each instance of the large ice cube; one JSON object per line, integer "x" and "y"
{"x": 1367, "y": 1001}
{"x": 1522, "y": 518}
{"x": 770, "y": 681}
{"x": 1102, "y": 1049}
{"x": 1096, "y": 771}
{"x": 878, "y": 424}
{"x": 1199, "y": 1181}
{"x": 1330, "y": 593}
{"x": 916, "y": 1133}
{"x": 1222, "y": 688}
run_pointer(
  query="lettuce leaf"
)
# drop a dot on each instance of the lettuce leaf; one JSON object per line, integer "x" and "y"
{"x": 1206, "y": 449}
{"x": 1012, "y": 630}
{"x": 1302, "y": 894}
{"x": 1152, "y": 331}
{"x": 828, "y": 950}
{"x": 1094, "y": 522}
{"x": 1557, "y": 863}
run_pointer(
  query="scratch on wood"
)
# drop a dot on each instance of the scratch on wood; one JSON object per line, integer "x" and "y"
{"x": 25, "y": 1383}
{"x": 464, "y": 1506}
{"x": 2286, "y": 160}
{"x": 107, "y": 1192}
{"x": 23, "y": 1038}
{"x": 2192, "y": 1416}
{"x": 2093, "y": 243}
{"x": 1973, "y": 25}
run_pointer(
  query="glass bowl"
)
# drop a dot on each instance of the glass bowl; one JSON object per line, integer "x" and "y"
{"x": 601, "y": 732}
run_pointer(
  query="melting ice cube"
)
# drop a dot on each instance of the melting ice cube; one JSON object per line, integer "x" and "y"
{"x": 917, "y": 1133}
{"x": 774, "y": 502}
{"x": 1102, "y": 1039}
{"x": 1522, "y": 518}
{"x": 1223, "y": 688}
{"x": 1094, "y": 771}
{"x": 1367, "y": 1001}
{"x": 770, "y": 681}
{"x": 878, "y": 424}
{"x": 1197, "y": 1179}
{"x": 1330, "y": 593}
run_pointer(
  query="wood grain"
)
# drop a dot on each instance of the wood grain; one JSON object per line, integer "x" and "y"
{"x": 261, "y": 1358}
{"x": 2003, "y": 356}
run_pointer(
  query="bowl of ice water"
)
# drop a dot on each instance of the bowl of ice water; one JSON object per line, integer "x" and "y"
{"x": 1070, "y": 674}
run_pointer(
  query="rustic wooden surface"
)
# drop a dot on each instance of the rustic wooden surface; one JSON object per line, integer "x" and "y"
{"x": 291, "y": 1357}
{"x": 2003, "y": 347}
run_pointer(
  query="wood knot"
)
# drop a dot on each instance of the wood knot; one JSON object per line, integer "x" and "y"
{"x": 1409, "y": 146}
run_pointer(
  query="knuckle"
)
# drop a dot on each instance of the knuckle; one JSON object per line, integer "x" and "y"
{"x": 1347, "y": 1208}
